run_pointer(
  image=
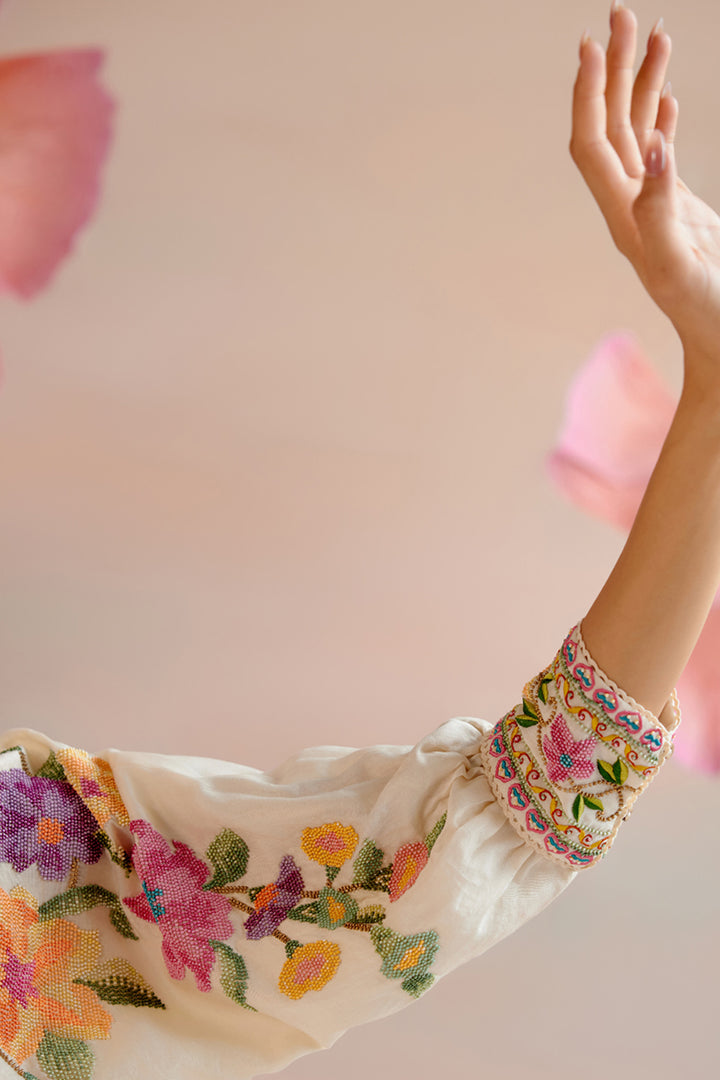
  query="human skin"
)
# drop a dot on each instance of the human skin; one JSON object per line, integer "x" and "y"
{"x": 646, "y": 621}
{"x": 671, "y": 237}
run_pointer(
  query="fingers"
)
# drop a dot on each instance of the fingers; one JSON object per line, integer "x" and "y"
{"x": 632, "y": 108}
{"x": 667, "y": 117}
{"x": 619, "y": 90}
{"x": 614, "y": 115}
{"x": 648, "y": 87}
{"x": 590, "y": 148}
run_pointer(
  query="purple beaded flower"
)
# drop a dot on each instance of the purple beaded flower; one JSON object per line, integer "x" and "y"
{"x": 274, "y": 901}
{"x": 43, "y": 821}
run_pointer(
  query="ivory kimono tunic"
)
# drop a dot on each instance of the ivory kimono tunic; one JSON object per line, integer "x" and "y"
{"x": 188, "y": 918}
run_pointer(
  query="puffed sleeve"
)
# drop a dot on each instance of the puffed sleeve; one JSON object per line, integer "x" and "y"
{"x": 158, "y": 908}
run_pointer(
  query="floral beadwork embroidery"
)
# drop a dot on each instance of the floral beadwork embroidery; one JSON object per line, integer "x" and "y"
{"x": 43, "y": 821}
{"x": 93, "y": 780}
{"x": 59, "y": 820}
{"x": 569, "y": 762}
{"x": 41, "y": 964}
{"x": 332, "y": 845}
{"x": 567, "y": 757}
{"x": 309, "y": 968}
{"x": 172, "y": 896}
{"x": 52, "y": 980}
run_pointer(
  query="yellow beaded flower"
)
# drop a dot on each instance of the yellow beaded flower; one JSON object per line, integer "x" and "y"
{"x": 309, "y": 968}
{"x": 94, "y": 782}
{"x": 331, "y": 844}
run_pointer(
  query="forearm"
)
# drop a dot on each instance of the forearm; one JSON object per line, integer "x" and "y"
{"x": 648, "y": 616}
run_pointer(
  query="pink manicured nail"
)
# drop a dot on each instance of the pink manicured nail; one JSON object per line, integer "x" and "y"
{"x": 616, "y": 5}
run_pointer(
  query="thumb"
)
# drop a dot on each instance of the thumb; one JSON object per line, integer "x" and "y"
{"x": 656, "y": 156}
{"x": 655, "y": 208}
{"x": 659, "y": 180}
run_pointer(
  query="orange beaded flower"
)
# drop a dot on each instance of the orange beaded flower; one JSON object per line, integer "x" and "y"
{"x": 94, "y": 782}
{"x": 40, "y": 962}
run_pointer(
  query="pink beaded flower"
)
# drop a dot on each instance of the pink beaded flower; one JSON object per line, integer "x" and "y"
{"x": 188, "y": 916}
{"x": 567, "y": 757}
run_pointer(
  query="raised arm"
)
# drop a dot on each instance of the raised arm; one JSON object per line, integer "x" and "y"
{"x": 649, "y": 615}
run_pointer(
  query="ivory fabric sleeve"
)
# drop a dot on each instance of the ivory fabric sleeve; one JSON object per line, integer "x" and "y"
{"x": 193, "y": 917}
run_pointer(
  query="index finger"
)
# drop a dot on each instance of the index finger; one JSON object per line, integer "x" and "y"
{"x": 590, "y": 148}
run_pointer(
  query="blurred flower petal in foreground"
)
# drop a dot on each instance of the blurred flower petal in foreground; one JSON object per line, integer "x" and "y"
{"x": 55, "y": 130}
{"x": 618, "y": 412}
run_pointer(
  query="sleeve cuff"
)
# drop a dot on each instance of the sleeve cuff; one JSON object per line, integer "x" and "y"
{"x": 567, "y": 764}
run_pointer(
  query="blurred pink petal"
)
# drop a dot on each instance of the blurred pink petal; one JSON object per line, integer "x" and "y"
{"x": 697, "y": 743}
{"x": 55, "y": 128}
{"x": 618, "y": 412}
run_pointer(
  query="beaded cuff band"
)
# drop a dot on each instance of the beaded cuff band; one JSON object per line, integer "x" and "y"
{"x": 568, "y": 763}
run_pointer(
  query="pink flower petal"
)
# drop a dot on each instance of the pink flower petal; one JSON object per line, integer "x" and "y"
{"x": 55, "y": 128}
{"x": 697, "y": 743}
{"x": 617, "y": 416}
{"x": 561, "y": 741}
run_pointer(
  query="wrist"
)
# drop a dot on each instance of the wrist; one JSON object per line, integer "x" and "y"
{"x": 701, "y": 380}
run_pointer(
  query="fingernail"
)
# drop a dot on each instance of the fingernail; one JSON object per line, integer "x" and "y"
{"x": 655, "y": 157}
{"x": 659, "y": 25}
{"x": 583, "y": 42}
{"x": 616, "y": 5}
{"x": 667, "y": 89}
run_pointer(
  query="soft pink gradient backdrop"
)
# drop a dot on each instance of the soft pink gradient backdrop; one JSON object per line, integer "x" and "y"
{"x": 271, "y": 452}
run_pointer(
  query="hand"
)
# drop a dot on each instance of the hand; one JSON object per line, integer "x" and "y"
{"x": 671, "y": 237}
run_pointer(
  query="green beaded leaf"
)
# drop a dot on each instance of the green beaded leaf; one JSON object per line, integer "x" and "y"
{"x": 304, "y": 912}
{"x": 373, "y": 913}
{"x": 435, "y": 832}
{"x": 83, "y": 898}
{"x": 620, "y": 771}
{"x": 63, "y": 1058}
{"x": 118, "y": 983}
{"x": 529, "y": 711}
{"x": 233, "y": 974}
{"x": 381, "y": 881}
{"x": 585, "y": 800}
{"x": 52, "y": 769}
{"x": 418, "y": 984}
{"x": 229, "y": 855}
{"x": 121, "y": 857}
{"x": 367, "y": 864}
{"x": 614, "y": 772}
{"x": 593, "y": 802}
{"x": 542, "y": 688}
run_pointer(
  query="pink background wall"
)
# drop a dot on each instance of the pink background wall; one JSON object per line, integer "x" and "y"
{"x": 271, "y": 452}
